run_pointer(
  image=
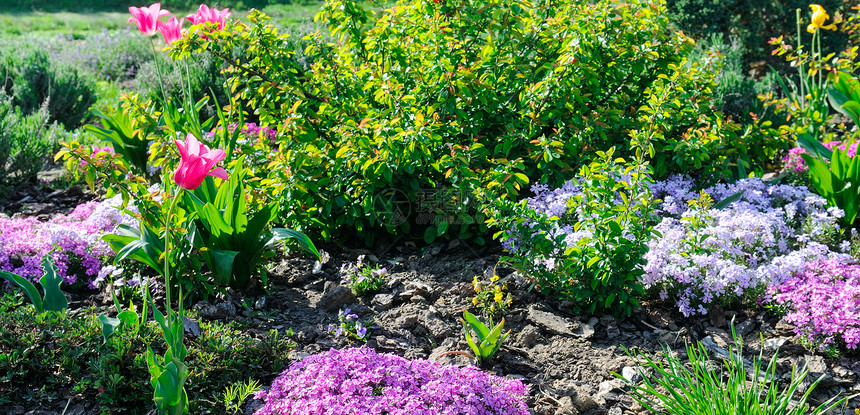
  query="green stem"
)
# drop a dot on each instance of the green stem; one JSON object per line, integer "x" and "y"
{"x": 167, "y": 239}
{"x": 158, "y": 70}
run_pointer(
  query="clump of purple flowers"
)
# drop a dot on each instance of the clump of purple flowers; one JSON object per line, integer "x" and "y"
{"x": 351, "y": 327}
{"x": 74, "y": 242}
{"x": 361, "y": 381}
{"x": 710, "y": 255}
{"x": 824, "y": 303}
{"x": 362, "y": 279}
{"x": 706, "y": 255}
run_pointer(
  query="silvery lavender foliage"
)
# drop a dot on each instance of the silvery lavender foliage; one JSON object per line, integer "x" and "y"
{"x": 74, "y": 242}
{"x": 112, "y": 55}
{"x": 707, "y": 255}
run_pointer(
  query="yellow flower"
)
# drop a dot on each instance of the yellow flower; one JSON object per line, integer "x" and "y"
{"x": 498, "y": 297}
{"x": 819, "y": 16}
{"x": 494, "y": 278}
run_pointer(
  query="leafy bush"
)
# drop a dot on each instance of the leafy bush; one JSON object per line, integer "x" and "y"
{"x": 434, "y": 100}
{"x": 25, "y": 141}
{"x": 360, "y": 380}
{"x": 45, "y": 356}
{"x": 33, "y": 80}
{"x": 586, "y": 241}
{"x": 821, "y": 300}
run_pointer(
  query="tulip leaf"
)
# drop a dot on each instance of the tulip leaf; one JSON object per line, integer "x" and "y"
{"x": 29, "y": 289}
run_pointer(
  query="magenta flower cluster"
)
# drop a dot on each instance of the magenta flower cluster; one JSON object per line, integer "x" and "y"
{"x": 794, "y": 162}
{"x": 824, "y": 303}
{"x": 72, "y": 240}
{"x": 361, "y": 381}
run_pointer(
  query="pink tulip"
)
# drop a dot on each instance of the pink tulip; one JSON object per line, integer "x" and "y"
{"x": 197, "y": 163}
{"x": 146, "y": 18}
{"x": 171, "y": 30}
{"x": 205, "y": 14}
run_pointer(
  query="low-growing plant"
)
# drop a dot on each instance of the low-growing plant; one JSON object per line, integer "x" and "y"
{"x": 24, "y": 142}
{"x": 821, "y": 302}
{"x": 53, "y": 353}
{"x": 390, "y": 384}
{"x": 486, "y": 341}
{"x": 740, "y": 388}
{"x": 53, "y": 298}
{"x": 361, "y": 278}
{"x": 490, "y": 297}
{"x": 586, "y": 243}
{"x": 235, "y": 395}
{"x": 351, "y": 327}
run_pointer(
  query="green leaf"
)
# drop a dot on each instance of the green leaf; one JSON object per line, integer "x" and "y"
{"x": 722, "y": 204}
{"x": 54, "y": 299}
{"x": 220, "y": 262}
{"x": 109, "y": 326}
{"x": 28, "y": 287}
{"x": 300, "y": 238}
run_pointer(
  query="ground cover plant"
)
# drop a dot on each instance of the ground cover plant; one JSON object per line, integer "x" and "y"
{"x": 566, "y": 168}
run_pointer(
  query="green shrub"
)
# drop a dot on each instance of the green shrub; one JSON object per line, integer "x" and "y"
{"x": 400, "y": 120}
{"x": 591, "y": 252}
{"x": 25, "y": 143}
{"x": 32, "y": 79}
{"x": 43, "y": 357}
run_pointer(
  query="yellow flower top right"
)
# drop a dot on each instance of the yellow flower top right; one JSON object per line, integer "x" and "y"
{"x": 819, "y": 16}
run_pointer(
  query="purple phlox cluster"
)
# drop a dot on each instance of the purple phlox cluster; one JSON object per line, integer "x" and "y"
{"x": 764, "y": 237}
{"x": 824, "y": 302}
{"x": 361, "y": 381}
{"x": 73, "y": 240}
{"x": 761, "y": 239}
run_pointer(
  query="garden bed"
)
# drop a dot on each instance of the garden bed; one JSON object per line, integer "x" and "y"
{"x": 565, "y": 359}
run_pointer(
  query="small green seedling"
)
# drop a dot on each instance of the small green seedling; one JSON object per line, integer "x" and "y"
{"x": 54, "y": 299}
{"x": 489, "y": 338}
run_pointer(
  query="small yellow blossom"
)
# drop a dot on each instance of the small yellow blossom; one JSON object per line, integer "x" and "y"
{"x": 499, "y": 296}
{"x": 494, "y": 278}
{"x": 819, "y": 16}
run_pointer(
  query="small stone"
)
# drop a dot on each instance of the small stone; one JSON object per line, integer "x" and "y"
{"x": 607, "y": 391}
{"x": 382, "y": 302}
{"x": 191, "y": 327}
{"x": 615, "y": 410}
{"x": 335, "y": 298}
{"x": 582, "y": 401}
{"x": 528, "y": 336}
{"x": 815, "y": 364}
{"x": 744, "y": 328}
{"x": 566, "y": 407}
{"x": 586, "y": 330}
{"x": 418, "y": 299}
{"x": 549, "y": 321}
{"x": 630, "y": 374}
{"x": 775, "y": 343}
{"x": 260, "y": 303}
{"x": 612, "y": 331}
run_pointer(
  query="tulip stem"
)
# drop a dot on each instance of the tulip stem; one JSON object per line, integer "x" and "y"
{"x": 158, "y": 70}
